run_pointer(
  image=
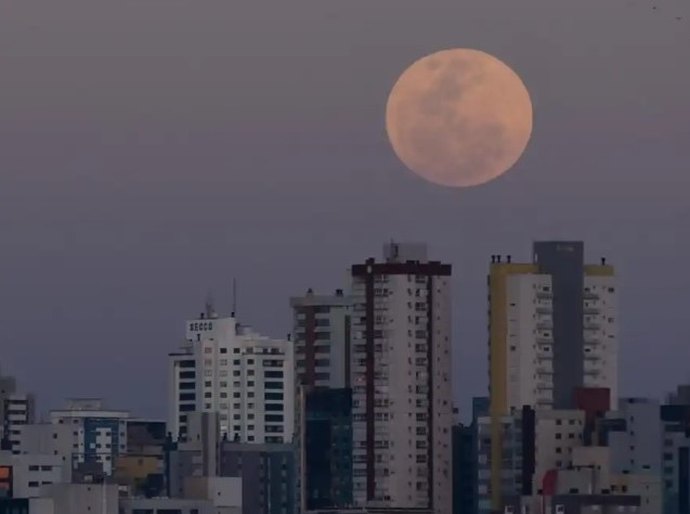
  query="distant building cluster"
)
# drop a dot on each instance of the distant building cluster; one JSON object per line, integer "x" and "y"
{"x": 353, "y": 411}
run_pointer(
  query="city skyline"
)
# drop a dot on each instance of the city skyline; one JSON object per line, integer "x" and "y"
{"x": 180, "y": 350}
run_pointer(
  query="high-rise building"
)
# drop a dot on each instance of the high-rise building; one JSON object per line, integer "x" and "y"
{"x": 325, "y": 447}
{"x": 248, "y": 379}
{"x": 401, "y": 381}
{"x": 553, "y": 328}
{"x": 552, "y": 331}
{"x": 321, "y": 334}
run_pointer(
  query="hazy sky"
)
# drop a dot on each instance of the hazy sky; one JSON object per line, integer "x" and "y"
{"x": 151, "y": 150}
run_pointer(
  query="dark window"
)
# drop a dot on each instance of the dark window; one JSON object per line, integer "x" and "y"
{"x": 274, "y": 407}
{"x": 273, "y": 385}
{"x": 273, "y": 396}
{"x": 276, "y": 418}
{"x": 276, "y": 374}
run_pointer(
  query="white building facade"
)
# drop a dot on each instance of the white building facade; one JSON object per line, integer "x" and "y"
{"x": 247, "y": 378}
{"x": 400, "y": 369}
{"x": 99, "y": 435}
{"x": 553, "y": 328}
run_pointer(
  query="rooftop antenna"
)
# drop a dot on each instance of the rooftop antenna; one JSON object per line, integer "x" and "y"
{"x": 234, "y": 296}
{"x": 210, "y": 309}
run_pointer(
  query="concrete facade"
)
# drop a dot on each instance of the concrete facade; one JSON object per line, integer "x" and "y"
{"x": 99, "y": 435}
{"x": 401, "y": 381}
{"x": 268, "y": 475}
{"x": 321, "y": 335}
{"x": 229, "y": 369}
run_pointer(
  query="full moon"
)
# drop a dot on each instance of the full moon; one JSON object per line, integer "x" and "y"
{"x": 459, "y": 117}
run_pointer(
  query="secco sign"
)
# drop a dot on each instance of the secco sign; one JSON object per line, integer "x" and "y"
{"x": 200, "y": 326}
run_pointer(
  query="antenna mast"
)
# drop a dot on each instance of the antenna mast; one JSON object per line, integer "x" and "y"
{"x": 234, "y": 297}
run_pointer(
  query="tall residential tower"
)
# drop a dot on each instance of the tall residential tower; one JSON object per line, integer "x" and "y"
{"x": 552, "y": 328}
{"x": 246, "y": 378}
{"x": 552, "y": 331}
{"x": 401, "y": 380}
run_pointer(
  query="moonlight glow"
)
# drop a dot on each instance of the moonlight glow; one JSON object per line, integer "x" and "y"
{"x": 459, "y": 117}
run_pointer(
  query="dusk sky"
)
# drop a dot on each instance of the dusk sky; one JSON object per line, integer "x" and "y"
{"x": 152, "y": 150}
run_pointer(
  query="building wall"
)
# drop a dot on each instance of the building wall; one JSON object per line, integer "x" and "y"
{"x": 637, "y": 449}
{"x": 557, "y": 434}
{"x": 99, "y": 436}
{"x": 19, "y": 411}
{"x": 82, "y": 498}
{"x": 321, "y": 334}
{"x": 30, "y": 472}
{"x": 47, "y": 439}
{"x": 675, "y": 463}
{"x": 600, "y": 341}
{"x": 167, "y": 505}
{"x": 402, "y": 412}
{"x": 464, "y": 470}
{"x": 268, "y": 473}
{"x": 326, "y": 445}
{"x": 182, "y": 390}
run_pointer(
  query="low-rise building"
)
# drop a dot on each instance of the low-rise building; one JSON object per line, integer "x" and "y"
{"x": 99, "y": 435}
